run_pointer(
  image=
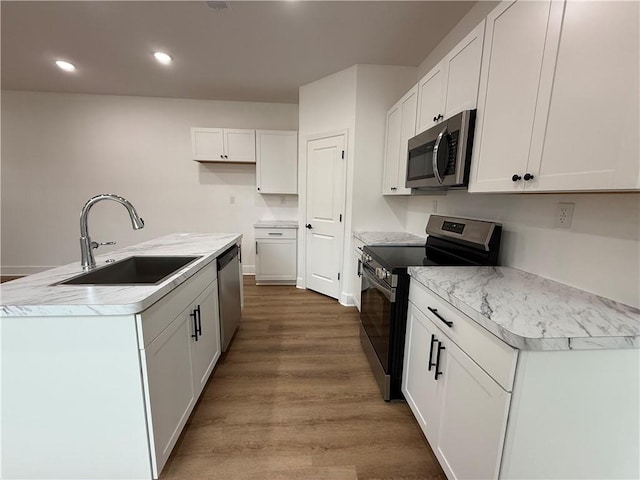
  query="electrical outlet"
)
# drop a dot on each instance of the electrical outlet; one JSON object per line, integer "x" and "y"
{"x": 564, "y": 215}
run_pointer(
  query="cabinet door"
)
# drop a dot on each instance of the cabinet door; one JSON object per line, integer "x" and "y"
{"x": 207, "y": 144}
{"x": 169, "y": 387}
{"x": 240, "y": 145}
{"x": 419, "y": 385}
{"x": 409, "y": 107}
{"x": 592, "y": 135}
{"x": 472, "y": 419}
{"x": 205, "y": 347}
{"x": 277, "y": 161}
{"x": 392, "y": 150}
{"x": 275, "y": 260}
{"x": 513, "y": 53}
{"x": 431, "y": 97}
{"x": 463, "y": 73}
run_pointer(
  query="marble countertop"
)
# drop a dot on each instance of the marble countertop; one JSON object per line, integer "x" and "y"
{"x": 37, "y": 295}
{"x": 276, "y": 224}
{"x": 530, "y": 312}
{"x": 389, "y": 238}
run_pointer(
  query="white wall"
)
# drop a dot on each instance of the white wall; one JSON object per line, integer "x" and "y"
{"x": 354, "y": 100}
{"x": 60, "y": 149}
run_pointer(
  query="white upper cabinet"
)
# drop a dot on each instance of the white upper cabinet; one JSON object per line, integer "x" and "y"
{"x": 452, "y": 85}
{"x": 558, "y": 102}
{"x": 431, "y": 92}
{"x": 277, "y": 161}
{"x": 401, "y": 126}
{"x": 592, "y": 131}
{"x": 223, "y": 145}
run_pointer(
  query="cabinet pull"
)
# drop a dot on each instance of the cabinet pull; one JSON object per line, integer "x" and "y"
{"x": 275, "y": 233}
{"x": 438, "y": 372}
{"x": 527, "y": 177}
{"x": 194, "y": 315}
{"x": 435, "y": 312}
{"x": 432, "y": 364}
{"x": 256, "y": 247}
{"x": 359, "y": 267}
{"x": 199, "y": 316}
{"x": 516, "y": 177}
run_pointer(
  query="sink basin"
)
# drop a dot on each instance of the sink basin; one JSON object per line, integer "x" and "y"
{"x": 132, "y": 271}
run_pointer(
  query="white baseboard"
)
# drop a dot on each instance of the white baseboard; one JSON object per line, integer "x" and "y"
{"x": 248, "y": 269}
{"x": 18, "y": 270}
{"x": 346, "y": 300}
{"x": 300, "y": 283}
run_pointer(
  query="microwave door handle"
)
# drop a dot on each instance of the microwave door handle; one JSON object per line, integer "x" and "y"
{"x": 435, "y": 155}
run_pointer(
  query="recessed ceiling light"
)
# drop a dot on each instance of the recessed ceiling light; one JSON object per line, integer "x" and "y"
{"x": 66, "y": 66}
{"x": 163, "y": 58}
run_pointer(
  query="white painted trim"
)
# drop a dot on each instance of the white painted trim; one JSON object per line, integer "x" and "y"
{"x": 346, "y": 300}
{"x": 300, "y": 283}
{"x": 11, "y": 270}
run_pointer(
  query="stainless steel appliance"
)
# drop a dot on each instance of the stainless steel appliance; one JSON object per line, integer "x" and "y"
{"x": 385, "y": 287}
{"x": 440, "y": 157}
{"x": 229, "y": 294}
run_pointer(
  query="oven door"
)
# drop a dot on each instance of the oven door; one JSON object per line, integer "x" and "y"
{"x": 377, "y": 301}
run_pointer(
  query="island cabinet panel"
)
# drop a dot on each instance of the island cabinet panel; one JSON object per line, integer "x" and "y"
{"x": 169, "y": 387}
{"x": 72, "y": 401}
{"x": 178, "y": 362}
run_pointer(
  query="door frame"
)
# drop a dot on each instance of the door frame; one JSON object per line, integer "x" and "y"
{"x": 301, "y": 281}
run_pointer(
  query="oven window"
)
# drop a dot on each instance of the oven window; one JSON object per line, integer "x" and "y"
{"x": 420, "y": 162}
{"x": 375, "y": 315}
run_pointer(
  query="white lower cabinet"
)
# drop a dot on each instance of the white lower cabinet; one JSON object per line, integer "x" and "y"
{"x": 276, "y": 256}
{"x": 178, "y": 361}
{"x": 461, "y": 410}
{"x": 571, "y": 413}
{"x": 356, "y": 277}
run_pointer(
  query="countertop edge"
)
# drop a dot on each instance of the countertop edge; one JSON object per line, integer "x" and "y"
{"x": 527, "y": 343}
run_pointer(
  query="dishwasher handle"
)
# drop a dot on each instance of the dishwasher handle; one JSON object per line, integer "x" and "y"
{"x": 227, "y": 257}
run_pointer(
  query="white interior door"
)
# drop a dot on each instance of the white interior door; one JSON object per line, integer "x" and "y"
{"x": 326, "y": 170}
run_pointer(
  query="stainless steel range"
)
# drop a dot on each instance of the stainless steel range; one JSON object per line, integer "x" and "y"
{"x": 385, "y": 287}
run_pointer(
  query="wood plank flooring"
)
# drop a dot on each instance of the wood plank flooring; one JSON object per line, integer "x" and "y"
{"x": 295, "y": 398}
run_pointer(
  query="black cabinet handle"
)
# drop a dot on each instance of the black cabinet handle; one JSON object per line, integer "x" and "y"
{"x": 438, "y": 372}
{"x": 435, "y": 312}
{"x": 527, "y": 177}
{"x": 308, "y": 225}
{"x": 431, "y": 364}
{"x": 194, "y": 315}
{"x": 359, "y": 267}
{"x": 439, "y": 116}
{"x": 221, "y": 156}
{"x": 516, "y": 177}
{"x": 258, "y": 188}
{"x": 199, "y": 315}
{"x": 435, "y": 119}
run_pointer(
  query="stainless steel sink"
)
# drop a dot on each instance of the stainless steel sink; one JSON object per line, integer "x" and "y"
{"x": 140, "y": 270}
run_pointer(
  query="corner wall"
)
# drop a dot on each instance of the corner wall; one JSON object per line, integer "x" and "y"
{"x": 58, "y": 150}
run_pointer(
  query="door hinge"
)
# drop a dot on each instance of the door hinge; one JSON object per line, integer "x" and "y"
{"x": 340, "y": 217}
{"x": 338, "y": 275}
{"x": 343, "y": 154}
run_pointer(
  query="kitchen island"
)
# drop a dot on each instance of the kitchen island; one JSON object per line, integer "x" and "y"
{"x": 511, "y": 375}
{"x": 99, "y": 381}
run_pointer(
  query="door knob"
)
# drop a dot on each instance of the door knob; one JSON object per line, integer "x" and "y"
{"x": 308, "y": 225}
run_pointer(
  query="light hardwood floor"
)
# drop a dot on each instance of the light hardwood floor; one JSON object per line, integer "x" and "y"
{"x": 294, "y": 398}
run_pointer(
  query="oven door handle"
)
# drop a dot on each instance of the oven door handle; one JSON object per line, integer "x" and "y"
{"x": 388, "y": 292}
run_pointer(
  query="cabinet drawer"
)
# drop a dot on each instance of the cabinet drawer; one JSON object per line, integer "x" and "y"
{"x": 159, "y": 315}
{"x": 492, "y": 354}
{"x": 275, "y": 233}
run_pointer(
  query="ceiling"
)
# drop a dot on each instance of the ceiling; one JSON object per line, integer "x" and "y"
{"x": 249, "y": 51}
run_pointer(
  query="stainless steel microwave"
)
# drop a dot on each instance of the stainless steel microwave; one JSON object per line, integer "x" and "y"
{"x": 440, "y": 157}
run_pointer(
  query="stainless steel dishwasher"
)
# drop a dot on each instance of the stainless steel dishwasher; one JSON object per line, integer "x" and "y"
{"x": 229, "y": 294}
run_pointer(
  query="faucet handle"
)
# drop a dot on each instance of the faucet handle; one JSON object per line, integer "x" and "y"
{"x": 97, "y": 244}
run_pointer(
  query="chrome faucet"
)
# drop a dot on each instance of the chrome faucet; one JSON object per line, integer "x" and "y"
{"x": 86, "y": 245}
